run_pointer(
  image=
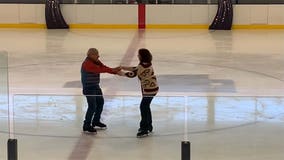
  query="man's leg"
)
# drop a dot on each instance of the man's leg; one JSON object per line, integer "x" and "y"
{"x": 89, "y": 114}
{"x": 99, "y": 110}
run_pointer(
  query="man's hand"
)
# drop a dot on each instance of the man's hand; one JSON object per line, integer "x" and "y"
{"x": 116, "y": 69}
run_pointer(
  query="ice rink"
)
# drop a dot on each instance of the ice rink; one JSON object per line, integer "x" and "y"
{"x": 221, "y": 90}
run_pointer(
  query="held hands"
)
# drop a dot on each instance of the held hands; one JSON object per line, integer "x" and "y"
{"x": 116, "y": 69}
{"x": 130, "y": 73}
{"x": 120, "y": 72}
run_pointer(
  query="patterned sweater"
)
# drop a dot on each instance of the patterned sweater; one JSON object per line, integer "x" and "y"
{"x": 148, "y": 80}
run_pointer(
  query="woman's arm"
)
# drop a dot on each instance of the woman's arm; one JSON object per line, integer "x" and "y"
{"x": 130, "y": 74}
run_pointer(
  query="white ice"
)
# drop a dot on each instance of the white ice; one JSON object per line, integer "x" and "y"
{"x": 230, "y": 83}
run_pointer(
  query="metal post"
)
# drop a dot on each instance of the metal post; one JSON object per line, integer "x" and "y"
{"x": 185, "y": 144}
{"x": 12, "y": 149}
{"x": 185, "y": 150}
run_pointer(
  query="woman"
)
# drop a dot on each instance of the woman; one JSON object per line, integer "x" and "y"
{"x": 149, "y": 88}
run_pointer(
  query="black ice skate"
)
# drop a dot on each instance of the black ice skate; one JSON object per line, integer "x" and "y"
{"x": 142, "y": 133}
{"x": 89, "y": 129}
{"x": 99, "y": 125}
{"x": 150, "y": 129}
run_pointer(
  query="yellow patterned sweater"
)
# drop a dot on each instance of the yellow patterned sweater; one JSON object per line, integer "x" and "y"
{"x": 148, "y": 79}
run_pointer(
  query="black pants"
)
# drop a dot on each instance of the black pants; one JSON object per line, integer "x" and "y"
{"x": 95, "y": 101}
{"x": 146, "y": 116}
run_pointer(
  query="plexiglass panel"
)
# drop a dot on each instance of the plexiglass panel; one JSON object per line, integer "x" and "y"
{"x": 4, "y": 130}
{"x": 217, "y": 127}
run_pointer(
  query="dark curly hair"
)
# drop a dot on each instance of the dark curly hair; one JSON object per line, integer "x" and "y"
{"x": 145, "y": 55}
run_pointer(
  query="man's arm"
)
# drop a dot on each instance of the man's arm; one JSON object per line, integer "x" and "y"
{"x": 89, "y": 66}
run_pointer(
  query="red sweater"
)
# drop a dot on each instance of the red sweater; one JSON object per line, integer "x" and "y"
{"x": 90, "y": 75}
{"x": 95, "y": 67}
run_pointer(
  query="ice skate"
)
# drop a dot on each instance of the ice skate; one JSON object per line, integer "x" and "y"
{"x": 150, "y": 129}
{"x": 142, "y": 133}
{"x": 100, "y": 126}
{"x": 89, "y": 130}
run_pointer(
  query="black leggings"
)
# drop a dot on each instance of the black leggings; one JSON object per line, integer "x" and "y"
{"x": 146, "y": 116}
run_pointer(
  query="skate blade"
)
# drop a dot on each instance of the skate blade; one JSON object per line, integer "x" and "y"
{"x": 143, "y": 136}
{"x": 100, "y": 128}
{"x": 89, "y": 133}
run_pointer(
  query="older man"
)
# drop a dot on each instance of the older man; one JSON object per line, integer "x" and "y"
{"x": 90, "y": 78}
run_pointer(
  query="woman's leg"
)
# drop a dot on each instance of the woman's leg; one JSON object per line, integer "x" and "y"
{"x": 146, "y": 116}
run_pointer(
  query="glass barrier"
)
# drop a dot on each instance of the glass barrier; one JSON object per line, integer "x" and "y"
{"x": 4, "y": 130}
{"x": 50, "y": 127}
